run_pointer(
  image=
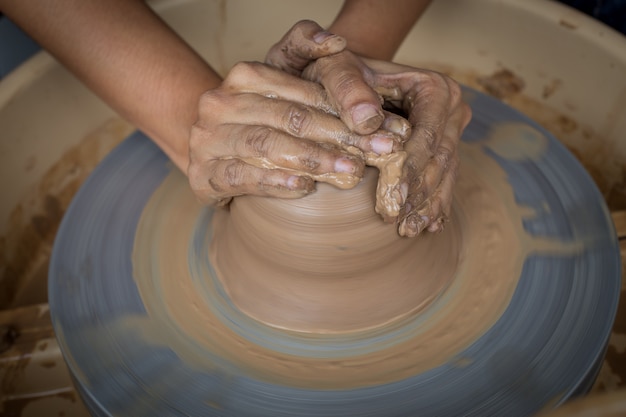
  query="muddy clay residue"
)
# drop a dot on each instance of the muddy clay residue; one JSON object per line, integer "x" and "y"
{"x": 25, "y": 248}
{"x": 503, "y": 83}
{"x": 190, "y": 310}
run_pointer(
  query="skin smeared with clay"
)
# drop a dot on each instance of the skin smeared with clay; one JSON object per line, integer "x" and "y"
{"x": 437, "y": 117}
{"x": 240, "y": 153}
{"x": 269, "y": 324}
{"x": 277, "y": 129}
{"x": 415, "y": 185}
{"x": 390, "y": 193}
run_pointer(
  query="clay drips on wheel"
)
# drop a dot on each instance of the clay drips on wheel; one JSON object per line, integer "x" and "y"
{"x": 194, "y": 309}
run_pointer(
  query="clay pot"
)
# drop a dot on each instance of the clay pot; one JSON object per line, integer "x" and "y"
{"x": 327, "y": 262}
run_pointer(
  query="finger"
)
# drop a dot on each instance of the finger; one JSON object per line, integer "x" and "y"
{"x": 438, "y": 208}
{"x": 346, "y": 81}
{"x": 271, "y": 148}
{"x": 293, "y": 118}
{"x": 423, "y": 184}
{"x": 428, "y": 114}
{"x": 254, "y": 77}
{"x": 411, "y": 225}
{"x": 260, "y": 79}
{"x": 435, "y": 211}
{"x": 223, "y": 179}
{"x": 444, "y": 159}
{"x": 305, "y": 42}
{"x": 429, "y": 99}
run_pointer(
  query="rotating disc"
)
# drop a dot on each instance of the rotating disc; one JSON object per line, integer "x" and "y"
{"x": 546, "y": 346}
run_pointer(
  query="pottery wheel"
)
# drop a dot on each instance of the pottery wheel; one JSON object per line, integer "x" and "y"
{"x": 148, "y": 326}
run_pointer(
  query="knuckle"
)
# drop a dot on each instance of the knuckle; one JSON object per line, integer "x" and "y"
{"x": 243, "y": 74}
{"x": 211, "y": 105}
{"x": 310, "y": 157}
{"x": 233, "y": 173}
{"x": 347, "y": 84}
{"x": 258, "y": 141}
{"x": 241, "y": 70}
{"x": 412, "y": 165}
{"x": 209, "y": 99}
{"x": 302, "y": 28}
{"x": 307, "y": 23}
{"x": 313, "y": 71}
{"x": 429, "y": 134}
{"x": 297, "y": 118}
{"x": 266, "y": 182}
{"x": 323, "y": 101}
{"x": 203, "y": 139}
{"x": 431, "y": 82}
{"x": 444, "y": 156}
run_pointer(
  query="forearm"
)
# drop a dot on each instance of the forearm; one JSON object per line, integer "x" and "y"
{"x": 376, "y": 28}
{"x": 129, "y": 57}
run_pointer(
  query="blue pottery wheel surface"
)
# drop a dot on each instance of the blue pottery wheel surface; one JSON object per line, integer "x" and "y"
{"x": 546, "y": 347}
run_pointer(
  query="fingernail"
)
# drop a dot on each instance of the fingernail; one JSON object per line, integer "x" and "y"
{"x": 296, "y": 182}
{"x": 320, "y": 37}
{"x": 367, "y": 115}
{"x": 344, "y": 165}
{"x": 398, "y": 126}
{"x": 382, "y": 144}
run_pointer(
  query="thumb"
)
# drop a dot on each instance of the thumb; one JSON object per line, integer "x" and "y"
{"x": 303, "y": 43}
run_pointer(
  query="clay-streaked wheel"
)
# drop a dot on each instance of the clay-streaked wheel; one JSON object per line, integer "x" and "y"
{"x": 546, "y": 347}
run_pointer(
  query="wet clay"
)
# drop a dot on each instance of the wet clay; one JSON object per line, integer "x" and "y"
{"x": 205, "y": 310}
{"x": 327, "y": 263}
{"x": 388, "y": 196}
{"x": 315, "y": 264}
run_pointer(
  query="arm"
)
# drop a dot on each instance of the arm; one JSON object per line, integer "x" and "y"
{"x": 228, "y": 135}
{"x": 374, "y": 28}
{"x": 129, "y": 57}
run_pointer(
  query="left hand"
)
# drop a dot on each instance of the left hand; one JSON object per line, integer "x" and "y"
{"x": 437, "y": 115}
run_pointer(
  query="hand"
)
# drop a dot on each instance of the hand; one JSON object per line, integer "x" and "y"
{"x": 357, "y": 104}
{"x": 437, "y": 116}
{"x": 303, "y": 43}
{"x": 420, "y": 197}
{"x": 266, "y": 132}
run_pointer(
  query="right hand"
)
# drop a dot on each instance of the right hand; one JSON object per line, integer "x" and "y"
{"x": 265, "y": 132}
{"x": 420, "y": 197}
